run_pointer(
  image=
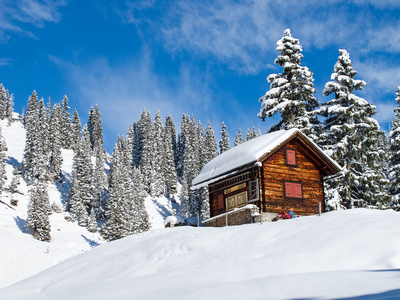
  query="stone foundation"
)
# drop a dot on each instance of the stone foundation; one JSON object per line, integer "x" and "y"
{"x": 244, "y": 215}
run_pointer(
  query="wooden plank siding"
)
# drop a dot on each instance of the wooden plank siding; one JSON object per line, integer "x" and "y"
{"x": 275, "y": 172}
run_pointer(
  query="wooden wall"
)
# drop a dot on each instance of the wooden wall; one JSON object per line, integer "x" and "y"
{"x": 276, "y": 172}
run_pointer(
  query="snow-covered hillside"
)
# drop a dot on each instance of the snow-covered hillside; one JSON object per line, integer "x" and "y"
{"x": 22, "y": 256}
{"x": 339, "y": 254}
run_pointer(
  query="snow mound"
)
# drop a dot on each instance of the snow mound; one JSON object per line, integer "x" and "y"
{"x": 339, "y": 254}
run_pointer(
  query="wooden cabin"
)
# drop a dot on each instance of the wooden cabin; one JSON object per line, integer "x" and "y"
{"x": 279, "y": 171}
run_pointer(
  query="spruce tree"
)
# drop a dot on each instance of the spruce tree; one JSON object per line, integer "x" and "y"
{"x": 119, "y": 222}
{"x": 238, "y": 138}
{"x": 66, "y": 124}
{"x": 3, "y": 159}
{"x": 56, "y": 159}
{"x": 291, "y": 92}
{"x": 224, "y": 142}
{"x": 210, "y": 144}
{"x": 351, "y": 136}
{"x": 95, "y": 128}
{"x": 141, "y": 221}
{"x": 99, "y": 186}
{"x": 3, "y": 101}
{"x": 75, "y": 129}
{"x": 158, "y": 163}
{"x": 81, "y": 196}
{"x": 170, "y": 129}
{"x": 394, "y": 158}
{"x": 38, "y": 209}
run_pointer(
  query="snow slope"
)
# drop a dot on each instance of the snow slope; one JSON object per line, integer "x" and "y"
{"x": 339, "y": 254}
{"x": 22, "y": 256}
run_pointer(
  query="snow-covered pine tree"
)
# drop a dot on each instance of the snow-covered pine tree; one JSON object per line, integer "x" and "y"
{"x": 171, "y": 180}
{"x": 75, "y": 130}
{"x": 10, "y": 108}
{"x": 238, "y": 138}
{"x": 351, "y": 136}
{"x": 56, "y": 159}
{"x": 95, "y": 128}
{"x": 394, "y": 158}
{"x": 210, "y": 144}
{"x": 92, "y": 221}
{"x": 170, "y": 129}
{"x": 4, "y": 98}
{"x": 81, "y": 197}
{"x": 158, "y": 162}
{"x": 3, "y": 158}
{"x": 141, "y": 221}
{"x": 66, "y": 124}
{"x": 99, "y": 185}
{"x": 34, "y": 163}
{"x": 38, "y": 209}
{"x": 119, "y": 222}
{"x": 146, "y": 133}
{"x": 224, "y": 142}
{"x": 291, "y": 92}
{"x": 251, "y": 134}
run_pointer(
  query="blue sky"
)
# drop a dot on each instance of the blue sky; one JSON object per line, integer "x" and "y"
{"x": 206, "y": 58}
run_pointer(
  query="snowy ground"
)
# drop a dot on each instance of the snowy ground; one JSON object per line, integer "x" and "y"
{"x": 341, "y": 254}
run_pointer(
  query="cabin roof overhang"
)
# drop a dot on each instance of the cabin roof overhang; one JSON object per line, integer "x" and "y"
{"x": 254, "y": 152}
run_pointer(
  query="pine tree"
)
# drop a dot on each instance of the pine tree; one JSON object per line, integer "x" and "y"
{"x": 351, "y": 136}
{"x": 3, "y": 101}
{"x": 291, "y": 92}
{"x": 170, "y": 129}
{"x": 34, "y": 162}
{"x": 141, "y": 221}
{"x": 3, "y": 159}
{"x": 38, "y": 209}
{"x": 238, "y": 138}
{"x": 81, "y": 186}
{"x": 95, "y": 128}
{"x": 66, "y": 124}
{"x": 251, "y": 134}
{"x": 119, "y": 222}
{"x": 158, "y": 162}
{"x": 56, "y": 159}
{"x": 394, "y": 159}
{"x": 99, "y": 186}
{"x": 210, "y": 144}
{"x": 224, "y": 143}
{"x": 169, "y": 171}
{"x": 75, "y": 130}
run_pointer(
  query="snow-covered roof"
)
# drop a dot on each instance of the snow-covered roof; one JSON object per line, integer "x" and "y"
{"x": 248, "y": 153}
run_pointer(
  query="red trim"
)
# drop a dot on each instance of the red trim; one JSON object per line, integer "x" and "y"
{"x": 293, "y": 190}
{"x": 291, "y": 157}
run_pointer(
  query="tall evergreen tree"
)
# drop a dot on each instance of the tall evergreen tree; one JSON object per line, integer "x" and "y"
{"x": 224, "y": 142}
{"x": 95, "y": 128}
{"x": 34, "y": 161}
{"x": 56, "y": 159}
{"x": 81, "y": 196}
{"x": 351, "y": 136}
{"x": 66, "y": 124}
{"x": 291, "y": 92}
{"x": 99, "y": 186}
{"x": 75, "y": 130}
{"x": 38, "y": 209}
{"x": 158, "y": 162}
{"x": 170, "y": 129}
{"x": 394, "y": 158}
{"x": 210, "y": 144}
{"x": 141, "y": 221}
{"x": 3, "y": 159}
{"x": 119, "y": 222}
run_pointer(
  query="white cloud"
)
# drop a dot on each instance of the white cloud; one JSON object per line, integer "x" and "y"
{"x": 35, "y": 12}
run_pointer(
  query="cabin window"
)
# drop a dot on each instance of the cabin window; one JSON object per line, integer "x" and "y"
{"x": 221, "y": 202}
{"x": 238, "y": 200}
{"x": 291, "y": 157}
{"x": 293, "y": 190}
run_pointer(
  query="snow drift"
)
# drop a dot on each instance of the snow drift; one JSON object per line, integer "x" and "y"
{"x": 339, "y": 254}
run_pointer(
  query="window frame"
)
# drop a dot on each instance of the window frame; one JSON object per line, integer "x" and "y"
{"x": 288, "y": 163}
{"x": 295, "y": 183}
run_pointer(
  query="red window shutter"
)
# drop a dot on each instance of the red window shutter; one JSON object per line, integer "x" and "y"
{"x": 297, "y": 190}
{"x": 291, "y": 157}
{"x": 289, "y": 189}
{"x": 221, "y": 202}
